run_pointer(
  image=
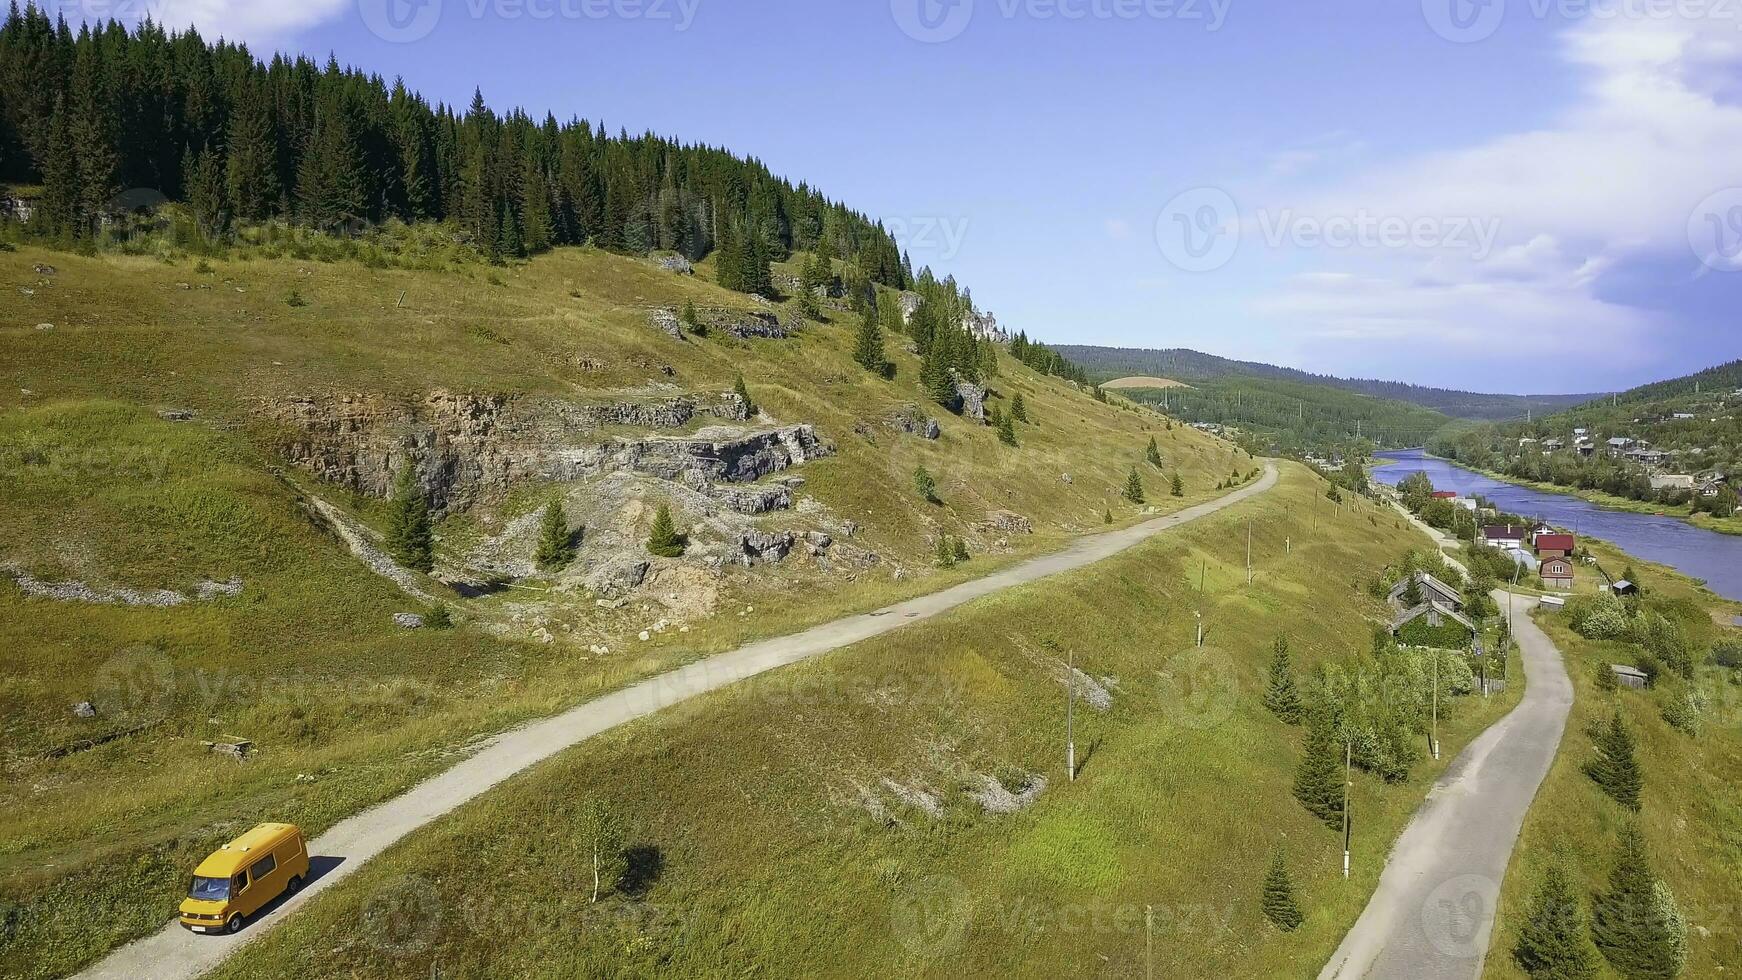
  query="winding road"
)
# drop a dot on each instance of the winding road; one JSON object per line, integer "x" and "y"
{"x": 172, "y": 953}
{"x": 1432, "y": 915}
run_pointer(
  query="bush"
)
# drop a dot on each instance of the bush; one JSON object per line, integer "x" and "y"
{"x": 1597, "y": 617}
{"x": 1683, "y": 711}
{"x": 1727, "y": 655}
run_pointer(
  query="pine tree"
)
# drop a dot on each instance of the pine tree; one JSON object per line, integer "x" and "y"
{"x": 692, "y": 319}
{"x": 1554, "y": 943}
{"x": 438, "y": 618}
{"x": 251, "y": 156}
{"x": 1019, "y": 408}
{"x": 926, "y": 485}
{"x": 599, "y": 833}
{"x": 58, "y": 209}
{"x": 1134, "y": 487}
{"x": 934, "y": 374}
{"x": 1282, "y": 697}
{"x": 207, "y": 192}
{"x": 1279, "y": 903}
{"x": 537, "y": 233}
{"x": 1007, "y": 429}
{"x": 743, "y": 392}
{"x": 1178, "y": 486}
{"x": 1318, "y": 781}
{"x": 94, "y": 129}
{"x": 555, "y": 543}
{"x": 868, "y": 346}
{"x": 1153, "y": 453}
{"x": 1636, "y": 924}
{"x": 946, "y": 554}
{"x": 665, "y": 542}
{"x": 409, "y": 538}
{"x": 1615, "y": 769}
{"x": 1107, "y": 516}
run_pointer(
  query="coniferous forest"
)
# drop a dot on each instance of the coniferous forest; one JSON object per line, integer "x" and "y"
{"x": 100, "y": 117}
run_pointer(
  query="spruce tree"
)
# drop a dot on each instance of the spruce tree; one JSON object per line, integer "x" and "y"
{"x": 1282, "y": 697}
{"x": 57, "y": 211}
{"x": 1007, "y": 429}
{"x": 1018, "y": 408}
{"x": 207, "y": 192}
{"x": 1615, "y": 769}
{"x": 692, "y": 319}
{"x": 934, "y": 374}
{"x": 926, "y": 485}
{"x": 251, "y": 156}
{"x": 1636, "y": 924}
{"x": 1153, "y": 453}
{"x": 1107, "y": 516}
{"x": 665, "y": 542}
{"x": 94, "y": 129}
{"x": 868, "y": 346}
{"x": 1318, "y": 780}
{"x": 1279, "y": 903}
{"x": 438, "y": 618}
{"x": 1554, "y": 942}
{"x": 1178, "y": 486}
{"x": 555, "y": 543}
{"x": 1134, "y": 487}
{"x": 409, "y": 538}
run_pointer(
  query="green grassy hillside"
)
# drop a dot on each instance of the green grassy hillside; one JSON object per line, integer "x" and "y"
{"x": 1689, "y": 808}
{"x": 104, "y": 498}
{"x": 824, "y": 820}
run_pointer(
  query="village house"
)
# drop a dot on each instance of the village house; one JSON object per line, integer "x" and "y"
{"x": 1503, "y": 536}
{"x": 1646, "y": 457}
{"x": 1555, "y": 546}
{"x": 1630, "y": 677}
{"x": 1431, "y": 589}
{"x": 1557, "y": 573}
{"x": 1618, "y": 445}
{"x": 1672, "y": 481}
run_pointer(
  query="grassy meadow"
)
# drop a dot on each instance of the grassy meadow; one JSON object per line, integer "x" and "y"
{"x": 101, "y": 818}
{"x": 822, "y": 820}
{"x": 1691, "y": 809}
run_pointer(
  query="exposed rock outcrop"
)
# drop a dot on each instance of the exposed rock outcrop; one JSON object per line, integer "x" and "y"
{"x": 677, "y": 264}
{"x": 1009, "y": 522}
{"x": 747, "y": 324}
{"x": 912, "y": 421}
{"x": 973, "y": 400}
{"x": 465, "y": 448}
{"x": 668, "y": 322}
{"x": 617, "y": 577}
{"x": 761, "y": 547}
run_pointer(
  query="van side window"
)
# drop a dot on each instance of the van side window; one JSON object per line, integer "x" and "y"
{"x": 262, "y": 867}
{"x": 239, "y": 884}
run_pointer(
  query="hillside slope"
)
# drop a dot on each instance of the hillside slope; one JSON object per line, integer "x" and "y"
{"x": 190, "y": 443}
{"x": 1181, "y": 364}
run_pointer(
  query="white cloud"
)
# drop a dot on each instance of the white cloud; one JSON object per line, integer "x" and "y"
{"x": 1616, "y": 177}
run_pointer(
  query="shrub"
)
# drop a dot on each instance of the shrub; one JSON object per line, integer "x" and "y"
{"x": 1683, "y": 711}
{"x": 438, "y": 617}
{"x": 926, "y": 485}
{"x": 1597, "y": 617}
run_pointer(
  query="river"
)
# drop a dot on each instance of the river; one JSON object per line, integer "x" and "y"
{"x": 1693, "y": 551}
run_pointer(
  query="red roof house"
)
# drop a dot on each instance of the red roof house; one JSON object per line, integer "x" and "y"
{"x": 1445, "y": 494}
{"x": 1555, "y": 545}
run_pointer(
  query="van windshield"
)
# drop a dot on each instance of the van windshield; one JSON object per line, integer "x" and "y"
{"x": 210, "y": 889}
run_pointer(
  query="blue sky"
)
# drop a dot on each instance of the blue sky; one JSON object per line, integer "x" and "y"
{"x": 1522, "y": 195}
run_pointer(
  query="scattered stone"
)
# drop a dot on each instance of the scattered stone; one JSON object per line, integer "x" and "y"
{"x": 816, "y": 542}
{"x": 850, "y": 528}
{"x": 667, "y": 322}
{"x": 758, "y": 547}
{"x": 1094, "y": 693}
{"x": 43, "y": 269}
{"x": 408, "y": 621}
{"x": 45, "y": 326}
{"x": 747, "y": 324}
{"x": 914, "y": 422}
{"x": 1067, "y": 478}
{"x": 84, "y": 709}
{"x": 677, "y": 264}
{"x": 645, "y": 636}
{"x": 209, "y": 589}
{"x": 917, "y": 796}
{"x": 176, "y": 415}
{"x": 610, "y": 603}
{"x": 1009, "y": 522}
{"x": 994, "y": 797}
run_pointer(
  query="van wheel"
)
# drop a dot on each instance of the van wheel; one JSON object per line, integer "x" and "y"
{"x": 233, "y": 924}
{"x": 294, "y": 885}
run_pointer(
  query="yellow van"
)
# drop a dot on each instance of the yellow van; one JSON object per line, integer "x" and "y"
{"x": 243, "y": 875}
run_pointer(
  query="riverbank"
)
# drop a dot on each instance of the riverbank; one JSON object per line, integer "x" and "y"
{"x": 1608, "y": 501}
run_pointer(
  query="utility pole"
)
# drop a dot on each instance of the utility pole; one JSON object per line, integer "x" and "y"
{"x": 1348, "y": 780}
{"x": 1070, "y": 710}
{"x": 1433, "y": 737}
{"x": 1248, "y": 551}
{"x": 1149, "y": 942}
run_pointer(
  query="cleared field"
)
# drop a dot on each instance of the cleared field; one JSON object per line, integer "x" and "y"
{"x": 1143, "y": 383}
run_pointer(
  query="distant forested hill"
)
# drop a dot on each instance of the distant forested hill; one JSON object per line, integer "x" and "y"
{"x": 1276, "y": 415}
{"x": 1108, "y": 363}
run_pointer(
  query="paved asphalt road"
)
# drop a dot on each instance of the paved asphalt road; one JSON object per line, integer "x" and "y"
{"x": 1433, "y": 913}
{"x": 175, "y": 954}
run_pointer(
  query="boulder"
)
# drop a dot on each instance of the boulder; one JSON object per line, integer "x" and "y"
{"x": 911, "y": 420}
{"x": 1009, "y": 522}
{"x": 617, "y": 576}
{"x": 816, "y": 542}
{"x": 760, "y": 547}
{"x": 973, "y": 400}
{"x": 84, "y": 709}
{"x": 176, "y": 415}
{"x": 668, "y": 322}
{"x": 43, "y": 269}
{"x": 408, "y": 621}
{"x": 747, "y": 324}
{"x": 677, "y": 264}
